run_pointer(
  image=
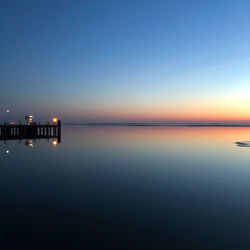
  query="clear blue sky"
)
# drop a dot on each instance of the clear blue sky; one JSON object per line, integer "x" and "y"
{"x": 114, "y": 60}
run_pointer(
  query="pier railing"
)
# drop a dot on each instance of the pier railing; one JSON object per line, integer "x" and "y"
{"x": 33, "y": 131}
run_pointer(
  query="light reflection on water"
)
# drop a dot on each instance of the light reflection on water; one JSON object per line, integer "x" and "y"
{"x": 113, "y": 187}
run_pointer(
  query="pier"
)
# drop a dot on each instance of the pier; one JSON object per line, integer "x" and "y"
{"x": 31, "y": 131}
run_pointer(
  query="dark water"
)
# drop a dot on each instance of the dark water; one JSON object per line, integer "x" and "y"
{"x": 127, "y": 188}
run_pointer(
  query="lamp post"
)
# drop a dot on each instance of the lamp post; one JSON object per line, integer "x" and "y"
{"x": 7, "y": 112}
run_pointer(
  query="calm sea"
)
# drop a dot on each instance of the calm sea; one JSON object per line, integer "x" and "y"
{"x": 127, "y": 188}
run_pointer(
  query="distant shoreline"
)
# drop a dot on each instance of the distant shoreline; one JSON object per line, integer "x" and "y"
{"x": 125, "y": 124}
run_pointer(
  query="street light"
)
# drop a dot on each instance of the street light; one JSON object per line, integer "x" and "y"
{"x": 54, "y": 120}
{"x": 7, "y": 111}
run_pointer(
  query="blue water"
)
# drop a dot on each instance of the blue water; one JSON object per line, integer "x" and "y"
{"x": 127, "y": 188}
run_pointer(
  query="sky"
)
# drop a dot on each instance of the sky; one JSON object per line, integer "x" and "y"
{"x": 125, "y": 60}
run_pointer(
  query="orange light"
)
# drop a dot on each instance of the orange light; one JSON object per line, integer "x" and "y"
{"x": 55, "y": 120}
{"x": 54, "y": 143}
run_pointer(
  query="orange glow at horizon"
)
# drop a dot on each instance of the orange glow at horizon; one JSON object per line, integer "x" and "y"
{"x": 227, "y": 107}
{"x": 203, "y": 114}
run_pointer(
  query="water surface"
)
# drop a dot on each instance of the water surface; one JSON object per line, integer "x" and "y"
{"x": 128, "y": 188}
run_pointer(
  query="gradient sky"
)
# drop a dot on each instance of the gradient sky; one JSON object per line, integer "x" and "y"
{"x": 125, "y": 60}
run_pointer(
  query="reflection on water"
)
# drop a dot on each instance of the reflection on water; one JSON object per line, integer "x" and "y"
{"x": 28, "y": 142}
{"x": 129, "y": 188}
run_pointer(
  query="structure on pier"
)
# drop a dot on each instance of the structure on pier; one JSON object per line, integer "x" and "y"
{"x": 29, "y": 119}
{"x": 31, "y": 130}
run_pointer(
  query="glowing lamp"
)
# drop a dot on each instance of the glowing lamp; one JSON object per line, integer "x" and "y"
{"x": 55, "y": 120}
{"x": 54, "y": 143}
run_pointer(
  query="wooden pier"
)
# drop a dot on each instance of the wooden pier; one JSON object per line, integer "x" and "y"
{"x": 33, "y": 131}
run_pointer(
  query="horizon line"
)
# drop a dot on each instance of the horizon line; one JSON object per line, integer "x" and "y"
{"x": 166, "y": 124}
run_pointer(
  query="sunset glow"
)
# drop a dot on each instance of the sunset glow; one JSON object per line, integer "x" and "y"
{"x": 109, "y": 70}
